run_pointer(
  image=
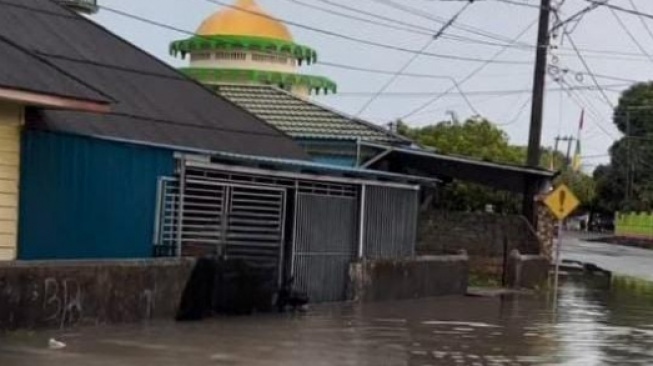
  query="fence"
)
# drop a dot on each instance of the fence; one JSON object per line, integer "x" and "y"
{"x": 634, "y": 224}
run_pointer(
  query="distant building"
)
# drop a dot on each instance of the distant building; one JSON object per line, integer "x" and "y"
{"x": 250, "y": 58}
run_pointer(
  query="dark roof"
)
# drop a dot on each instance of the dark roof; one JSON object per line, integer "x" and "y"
{"x": 152, "y": 101}
{"x": 303, "y": 119}
{"x": 424, "y": 163}
{"x": 22, "y": 70}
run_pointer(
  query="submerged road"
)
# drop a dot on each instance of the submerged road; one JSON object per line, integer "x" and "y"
{"x": 596, "y": 323}
{"x": 621, "y": 260}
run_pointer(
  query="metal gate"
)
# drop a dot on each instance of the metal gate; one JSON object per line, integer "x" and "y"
{"x": 325, "y": 245}
{"x": 208, "y": 217}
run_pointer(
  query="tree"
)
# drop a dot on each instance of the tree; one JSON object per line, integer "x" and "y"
{"x": 627, "y": 182}
{"x": 480, "y": 139}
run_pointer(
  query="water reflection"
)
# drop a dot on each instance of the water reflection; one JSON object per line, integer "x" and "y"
{"x": 596, "y": 323}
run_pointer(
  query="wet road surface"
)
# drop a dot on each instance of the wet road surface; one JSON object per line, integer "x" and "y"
{"x": 624, "y": 260}
{"x": 597, "y": 323}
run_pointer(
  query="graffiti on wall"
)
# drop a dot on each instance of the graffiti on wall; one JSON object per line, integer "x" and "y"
{"x": 62, "y": 301}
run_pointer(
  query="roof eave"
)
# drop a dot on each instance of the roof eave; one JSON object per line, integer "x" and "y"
{"x": 52, "y": 101}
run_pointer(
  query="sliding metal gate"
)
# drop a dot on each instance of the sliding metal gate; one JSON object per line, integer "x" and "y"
{"x": 325, "y": 245}
{"x": 235, "y": 220}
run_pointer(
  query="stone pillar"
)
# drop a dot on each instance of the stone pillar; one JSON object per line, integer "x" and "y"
{"x": 545, "y": 230}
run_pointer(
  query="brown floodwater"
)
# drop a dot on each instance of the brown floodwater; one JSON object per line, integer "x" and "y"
{"x": 594, "y": 325}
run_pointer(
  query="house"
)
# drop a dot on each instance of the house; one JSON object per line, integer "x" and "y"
{"x": 113, "y": 154}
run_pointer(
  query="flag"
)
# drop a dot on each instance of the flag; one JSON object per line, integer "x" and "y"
{"x": 576, "y": 162}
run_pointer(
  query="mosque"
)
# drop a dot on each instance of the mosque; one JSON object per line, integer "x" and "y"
{"x": 250, "y": 58}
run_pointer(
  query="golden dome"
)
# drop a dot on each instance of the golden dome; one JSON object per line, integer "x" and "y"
{"x": 245, "y": 22}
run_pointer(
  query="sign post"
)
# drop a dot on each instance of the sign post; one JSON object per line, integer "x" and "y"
{"x": 561, "y": 202}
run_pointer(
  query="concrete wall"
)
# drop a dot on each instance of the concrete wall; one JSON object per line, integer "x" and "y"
{"x": 60, "y": 294}
{"x": 526, "y": 271}
{"x": 480, "y": 234}
{"x": 383, "y": 280}
{"x": 11, "y": 120}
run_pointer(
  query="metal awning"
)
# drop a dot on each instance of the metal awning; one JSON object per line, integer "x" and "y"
{"x": 513, "y": 178}
{"x": 316, "y": 171}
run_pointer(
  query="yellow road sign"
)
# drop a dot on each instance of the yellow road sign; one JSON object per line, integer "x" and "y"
{"x": 561, "y": 202}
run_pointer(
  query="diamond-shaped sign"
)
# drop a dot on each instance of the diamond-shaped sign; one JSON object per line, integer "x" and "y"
{"x": 562, "y": 202}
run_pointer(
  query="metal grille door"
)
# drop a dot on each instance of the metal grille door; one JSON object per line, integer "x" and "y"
{"x": 255, "y": 219}
{"x": 238, "y": 221}
{"x": 390, "y": 222}
{"x": 325, "y": 245}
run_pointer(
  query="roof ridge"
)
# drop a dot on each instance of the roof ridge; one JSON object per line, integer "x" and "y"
{"x": 322, "y": 107}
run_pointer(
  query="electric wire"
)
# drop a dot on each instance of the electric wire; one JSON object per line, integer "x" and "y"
{"x": 406, "y": 65}
{"x": 470, "y": 75}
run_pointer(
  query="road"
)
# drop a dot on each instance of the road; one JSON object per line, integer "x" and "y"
{"x": 619, "y": 259}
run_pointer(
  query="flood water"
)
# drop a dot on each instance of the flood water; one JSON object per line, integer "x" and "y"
{"x": 593, "y": 326}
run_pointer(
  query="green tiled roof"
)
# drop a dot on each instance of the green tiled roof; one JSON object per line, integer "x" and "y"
{"x": 301, "y": 118}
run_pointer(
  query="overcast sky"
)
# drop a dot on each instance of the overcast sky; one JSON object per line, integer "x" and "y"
{"x": 618, "y": 56}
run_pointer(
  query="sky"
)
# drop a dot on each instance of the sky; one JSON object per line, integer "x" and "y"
{"x": 615, "y": 57}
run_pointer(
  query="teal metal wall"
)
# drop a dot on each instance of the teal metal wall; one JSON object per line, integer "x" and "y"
{"x": 82, "y": 197}
{"x": 332, "y": 152}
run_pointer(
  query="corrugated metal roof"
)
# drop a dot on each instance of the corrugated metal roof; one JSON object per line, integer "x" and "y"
{"x": 153, "y": 102}
{"x": 509, "y": 177}
{"x": 22, "y": 70}
{"x": 301, "y": 118}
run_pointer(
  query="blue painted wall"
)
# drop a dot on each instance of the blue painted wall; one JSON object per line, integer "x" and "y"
{"x": 87, "y": 198}
{"x": 335, "y": 160}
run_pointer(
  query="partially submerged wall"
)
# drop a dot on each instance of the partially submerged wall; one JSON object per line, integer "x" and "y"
{"x": 67, "y": 293}
{"x": 381, "y": 280}
{"x": 527, "y": 271}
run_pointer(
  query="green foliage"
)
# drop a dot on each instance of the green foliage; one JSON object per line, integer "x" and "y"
{"x": 634, "y": 110}
{"x": 479, "y": 138}
{"x": 633, "y": 153}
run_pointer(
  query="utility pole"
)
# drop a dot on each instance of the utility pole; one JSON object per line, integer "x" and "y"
{"x": 535, "y": 134}
{"x": 569, "y": 140}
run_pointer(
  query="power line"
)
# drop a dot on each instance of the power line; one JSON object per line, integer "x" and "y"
{"x": 407, "y": 27}
{"x": 470, "y": 75}
{"x": 365, "y": 41}
{"x": 630, "y": 34}
{"x": 521, "y": 111}
{"x": 352, "y": 67}
{"x": 425, "y": 15}
{"x": 587, "y": 106}
{"x": 641, "y": 19}
{"x": 620, "y": 8}
{"x": 468, "y": 93}
{"x": 389, "y": 72}
{"x": 589, "y": 71}
{"x": 394, "y": 77}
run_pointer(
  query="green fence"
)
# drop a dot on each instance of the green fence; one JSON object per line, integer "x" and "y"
{"x": 636, "y": 224}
